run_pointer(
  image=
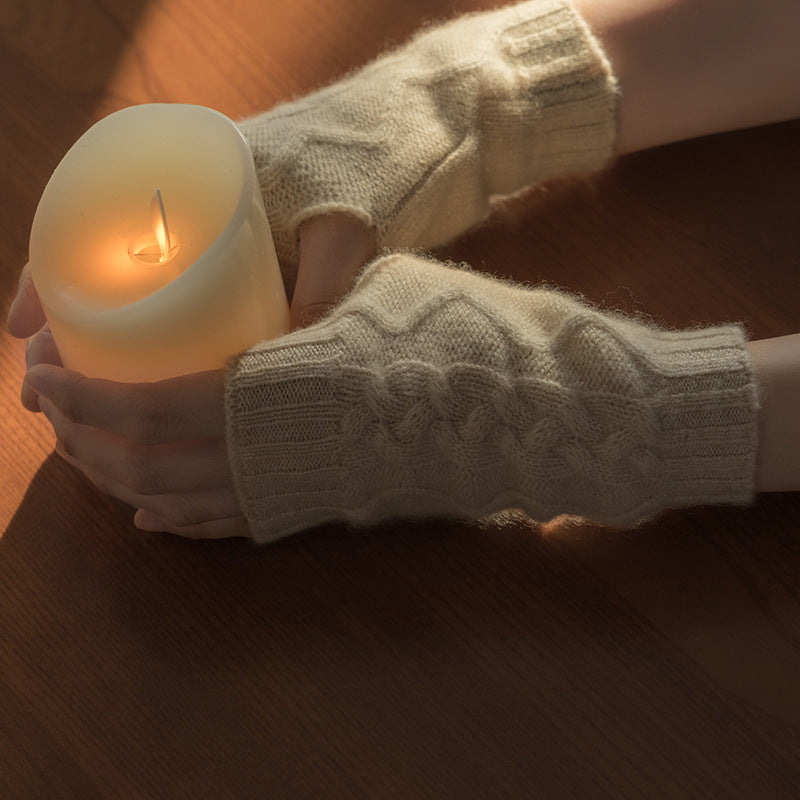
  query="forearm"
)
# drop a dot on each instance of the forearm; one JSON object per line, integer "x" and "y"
{"x": 777, "y": 368}
{"x": 688, "y": 68}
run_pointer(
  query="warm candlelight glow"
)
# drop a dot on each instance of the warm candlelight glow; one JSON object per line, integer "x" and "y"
{"x": 151, "y": 250}
{"x": 165, "y": 247}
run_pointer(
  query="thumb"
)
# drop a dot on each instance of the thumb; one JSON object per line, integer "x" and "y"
{"x": 333, "y": 248}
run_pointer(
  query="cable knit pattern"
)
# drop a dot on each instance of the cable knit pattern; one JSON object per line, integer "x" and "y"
{"x": 417, "y": 142}
{"x": 436, "y": 391}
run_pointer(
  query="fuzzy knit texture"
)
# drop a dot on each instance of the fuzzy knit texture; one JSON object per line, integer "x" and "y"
{"x": 437, "y": 391}
{"x": 417, "y": 142}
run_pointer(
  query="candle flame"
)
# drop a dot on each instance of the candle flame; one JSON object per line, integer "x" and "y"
{"x": 160, "y": 227}
{"x": 165, "y": 247}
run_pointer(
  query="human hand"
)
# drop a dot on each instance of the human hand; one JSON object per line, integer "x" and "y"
{"x": 333, "y": 249}
{"x": 161, "y": 447}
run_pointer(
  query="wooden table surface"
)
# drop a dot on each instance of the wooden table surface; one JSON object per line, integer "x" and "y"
{"x": 413, "y": 660}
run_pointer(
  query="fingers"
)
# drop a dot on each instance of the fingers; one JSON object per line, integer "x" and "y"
{"x": 26, "y": 319}
{"x": 157, "y": 446}
{"x": 229, "y": 528}
{"x": 187, "y": 486}
{"x": 179, "y": 510}
{"x": 40, "y": 349}
{"x": 333, "y": 248}
{"x": 141, "y": 469}
{"x": 25, "y": 316}
{"x": 178, "y": 409}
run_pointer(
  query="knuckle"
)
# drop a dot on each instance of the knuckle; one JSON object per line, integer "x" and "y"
{"x": 141, "y": 471}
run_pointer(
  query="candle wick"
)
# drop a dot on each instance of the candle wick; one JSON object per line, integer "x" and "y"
{"x": 159, "y": 221}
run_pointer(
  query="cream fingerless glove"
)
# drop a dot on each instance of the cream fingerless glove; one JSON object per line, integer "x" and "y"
{"x": 437, "y": 391}
{"x": 416, "y": 143}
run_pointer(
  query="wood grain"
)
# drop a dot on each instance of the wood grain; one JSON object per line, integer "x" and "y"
{"x": 415, "y": 661}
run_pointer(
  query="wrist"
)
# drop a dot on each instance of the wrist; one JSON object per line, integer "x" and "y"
{"x": 688, "y": 69}
{"x": 777, "y": 368}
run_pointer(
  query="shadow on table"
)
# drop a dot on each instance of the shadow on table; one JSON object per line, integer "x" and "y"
{"x": 75, "y": 550}
{"x": 408, "y": 583}
{"x": 495, "y": 634}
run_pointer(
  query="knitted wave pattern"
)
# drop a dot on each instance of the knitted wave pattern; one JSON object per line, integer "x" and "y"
{"x": 417, "y": 142}
{"x": 438, "y": 391}
{"x": 469, "y": 435}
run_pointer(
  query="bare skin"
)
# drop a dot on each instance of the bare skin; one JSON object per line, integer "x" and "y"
{"x": 777, "y": 367}
{"x": 689, "y": 68}
{"x": 685, "y": 67}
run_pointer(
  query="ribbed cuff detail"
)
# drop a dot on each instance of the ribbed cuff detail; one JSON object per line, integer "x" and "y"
{"x": 284, "y": 436}
{"x": 561, "y": 119}
{"x": 706, "y": 404}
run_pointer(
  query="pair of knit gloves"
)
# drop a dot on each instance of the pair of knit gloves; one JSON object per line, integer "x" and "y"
{"x": 433, "y": 390}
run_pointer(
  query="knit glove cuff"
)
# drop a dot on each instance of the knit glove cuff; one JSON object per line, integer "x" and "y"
{"x": 436, "y": 391}
{"x": 415, "y": 143}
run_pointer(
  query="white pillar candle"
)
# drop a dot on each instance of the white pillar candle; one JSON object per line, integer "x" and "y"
{"x": 123, "y": 305}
